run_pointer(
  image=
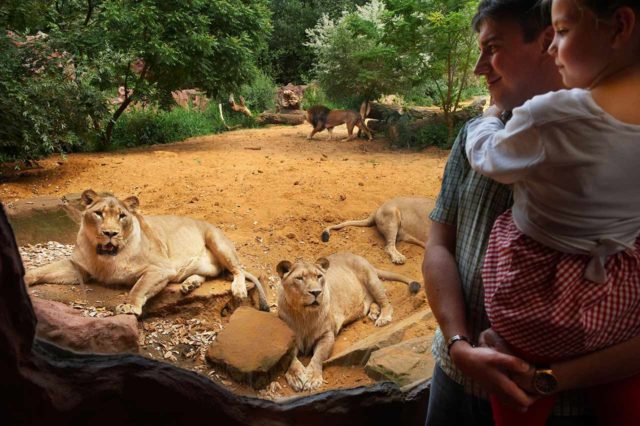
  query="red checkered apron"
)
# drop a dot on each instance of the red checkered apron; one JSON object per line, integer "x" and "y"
{"x": 538, "y": 300}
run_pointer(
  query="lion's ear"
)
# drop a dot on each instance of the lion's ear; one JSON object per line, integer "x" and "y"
{"x": 283, "y": 268}
{"x": 131, "y": 203}
{"x": 323, "y": 263}
{"x": 89, "y": 196}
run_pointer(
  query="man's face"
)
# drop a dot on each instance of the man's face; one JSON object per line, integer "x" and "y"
{"x": 515, "y": 71}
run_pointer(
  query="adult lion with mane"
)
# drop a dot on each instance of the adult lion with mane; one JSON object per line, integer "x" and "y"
{"x": 321, "y": 117}
{"x": 317, "y": 299}
{"x": 118, "y": 245}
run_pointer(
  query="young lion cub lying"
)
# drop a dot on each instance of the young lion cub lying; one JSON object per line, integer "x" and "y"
{"x": 117, "y": 245}
{"x": 317, "y": 299}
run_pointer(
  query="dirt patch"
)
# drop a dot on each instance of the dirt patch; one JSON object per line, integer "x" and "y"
{"x": 272, "y": 192}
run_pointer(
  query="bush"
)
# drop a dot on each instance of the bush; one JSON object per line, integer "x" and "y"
{"x": 260, "y": 95}
{"x": 148, "y": 127}
{"x": 435, "y": 134}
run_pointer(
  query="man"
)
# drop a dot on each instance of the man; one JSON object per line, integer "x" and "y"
{"x": 514, "y": 36}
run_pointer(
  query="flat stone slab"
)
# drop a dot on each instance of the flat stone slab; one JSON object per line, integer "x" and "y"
{"x": 69, "y": 328}
{"x": 404, "y": 363}
{"x": 253, "y": 348}
{"x": 42, "y": 219}
{"x": 358, "y": 354}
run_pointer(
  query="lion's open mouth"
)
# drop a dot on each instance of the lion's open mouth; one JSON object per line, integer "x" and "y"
{"x": 107, "y": 249}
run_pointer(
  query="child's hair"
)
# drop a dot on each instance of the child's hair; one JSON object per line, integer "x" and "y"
{"x": 604, "y": 8}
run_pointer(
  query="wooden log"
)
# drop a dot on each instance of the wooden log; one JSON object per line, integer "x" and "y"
{"x": 276, "y": 118}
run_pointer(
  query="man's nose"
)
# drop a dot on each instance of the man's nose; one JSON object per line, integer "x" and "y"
{"x": 482, "y": 66}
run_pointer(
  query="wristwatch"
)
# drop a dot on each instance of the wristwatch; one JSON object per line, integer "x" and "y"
{"x": 457, "y": 338}
{"x": 544, "y": 381}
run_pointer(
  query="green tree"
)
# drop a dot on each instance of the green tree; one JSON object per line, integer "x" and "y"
{"x": 437, "y": 38}
{"x": 151, "y": 47}
{"x": 288, "y": 59}
{"x": 353, "y": 59}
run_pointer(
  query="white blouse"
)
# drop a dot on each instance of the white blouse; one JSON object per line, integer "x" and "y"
{"x": 575, "y": 172}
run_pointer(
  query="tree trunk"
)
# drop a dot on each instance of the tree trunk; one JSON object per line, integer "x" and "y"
{"x": 291, "y": 118}
{"x": 106, "y": 139}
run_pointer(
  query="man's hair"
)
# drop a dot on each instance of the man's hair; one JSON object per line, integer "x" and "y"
{"x": 533, "y": 16}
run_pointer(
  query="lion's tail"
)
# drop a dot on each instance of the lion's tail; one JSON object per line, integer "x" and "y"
{"x": 370, "y": 221}
{"x": 414, "y": 285}
{"x": 262, "y": 297}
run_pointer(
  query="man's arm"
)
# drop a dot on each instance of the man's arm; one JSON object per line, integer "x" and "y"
{"x": 442, "y": 283}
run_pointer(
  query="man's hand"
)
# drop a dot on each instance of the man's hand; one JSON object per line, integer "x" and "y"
{"x": 493, "y": 111}
{"x": 490, "y": 339}
{"x": 493, "y": 371}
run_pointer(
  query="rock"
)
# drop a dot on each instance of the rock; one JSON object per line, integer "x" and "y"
{"x": 67, "y": 327}
{"x": 359, "y": 352}
{"x": 42, "y": 219}
{"x": 405, "y": 363}
{"x": 253, "y": 348}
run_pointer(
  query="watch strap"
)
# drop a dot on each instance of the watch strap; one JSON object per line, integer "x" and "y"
{"x": 457, "y": 338}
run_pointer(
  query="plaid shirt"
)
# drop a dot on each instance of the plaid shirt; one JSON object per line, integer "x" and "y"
{"x": 471, "y": 203}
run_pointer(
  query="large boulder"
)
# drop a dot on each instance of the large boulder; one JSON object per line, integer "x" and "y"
{"x": 67, "y": 327}
{"x": 360, "y": 351}
{"x": 405, "y": 363}
{"x": 253, "y": 348}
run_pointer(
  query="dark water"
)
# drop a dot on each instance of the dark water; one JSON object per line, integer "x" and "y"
{"x": 40, "y": 226}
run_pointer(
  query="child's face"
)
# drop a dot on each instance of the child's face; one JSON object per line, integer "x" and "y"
{"x": 581, "y": 45}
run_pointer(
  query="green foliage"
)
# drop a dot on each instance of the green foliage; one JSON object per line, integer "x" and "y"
{"x": 435, "y": 134}
{"x": 288, "y": 59}
{"x": 260, "y": 94}
{"x": 42, "y": 110}
{"x": 352, "y": 58}
{"x": 151, "y": 47}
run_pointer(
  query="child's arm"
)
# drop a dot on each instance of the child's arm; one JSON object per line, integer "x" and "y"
{"x": 505, "y": 154}
{"x": 596, "y": 368}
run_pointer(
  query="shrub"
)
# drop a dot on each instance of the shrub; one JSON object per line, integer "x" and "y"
{"x": 260, "y": 94}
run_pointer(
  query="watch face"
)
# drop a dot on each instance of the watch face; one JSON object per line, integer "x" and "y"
{"x": 544, "y": 382}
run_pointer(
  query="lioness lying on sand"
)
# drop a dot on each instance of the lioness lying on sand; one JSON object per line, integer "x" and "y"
{"x": 321, "y": 117}
{"x": 117, "y": 245}
{"x": 317, "y": 299}
{"x": 398, "y": 219}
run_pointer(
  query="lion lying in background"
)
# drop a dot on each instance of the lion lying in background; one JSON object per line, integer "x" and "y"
{"x": 117, "y": 245}
{"x": 321, "y": 117}
{"x": 317, "y": 299}
{"x": 398, "y": 219}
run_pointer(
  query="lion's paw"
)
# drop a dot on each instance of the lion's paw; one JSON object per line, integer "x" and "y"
{"x": 190, "y": 284}
{"x": 29, "y": 278}
{"x": 239, "y": 289}
{"x": 383, "y": 320}
{"x": 127, "y": 308}
{"x": 374, "y": 312}
{"x": 314, "y": 380}
{"x": 398, "y": 259}
{"x": 297, "y": 378}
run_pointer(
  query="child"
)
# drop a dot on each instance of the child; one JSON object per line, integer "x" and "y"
{"x": 562, "y": 270}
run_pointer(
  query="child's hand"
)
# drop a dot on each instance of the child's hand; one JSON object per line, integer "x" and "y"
{"x": 491, "y": 339}
{"x": 493, "y": 111}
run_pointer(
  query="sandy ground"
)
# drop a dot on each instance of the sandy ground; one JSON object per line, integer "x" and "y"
{"x": 270, "y": 190}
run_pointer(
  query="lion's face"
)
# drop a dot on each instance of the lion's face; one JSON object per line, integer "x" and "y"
{"x": 107, "y": 221}
{"x": 304, "y": 283}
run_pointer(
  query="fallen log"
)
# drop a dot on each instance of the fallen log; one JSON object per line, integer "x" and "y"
{"x": 277, "y": 118}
